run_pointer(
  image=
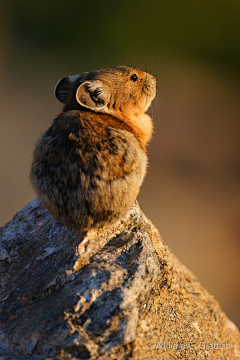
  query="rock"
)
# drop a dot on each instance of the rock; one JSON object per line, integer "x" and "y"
{"x": 117, "y": 293}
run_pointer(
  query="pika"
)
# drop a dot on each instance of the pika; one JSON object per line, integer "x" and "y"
{"x": 88, "y": 167}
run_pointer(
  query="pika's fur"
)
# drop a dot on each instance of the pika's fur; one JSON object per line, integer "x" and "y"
{"x": 89, "y": 165}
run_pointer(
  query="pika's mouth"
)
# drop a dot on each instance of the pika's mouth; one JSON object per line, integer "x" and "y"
{"x": 149, "y": 91}
{"x": 149, "y": 87}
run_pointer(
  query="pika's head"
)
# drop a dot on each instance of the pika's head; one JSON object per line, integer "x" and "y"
{"x": 121, "y": 91}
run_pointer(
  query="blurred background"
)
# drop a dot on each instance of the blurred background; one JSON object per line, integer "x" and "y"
{"x": 191, "y": 191}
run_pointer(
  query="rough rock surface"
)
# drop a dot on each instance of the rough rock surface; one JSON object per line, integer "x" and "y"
{"x": 118, "y": 293}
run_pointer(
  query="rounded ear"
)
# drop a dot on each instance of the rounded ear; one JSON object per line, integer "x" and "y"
{"x": 92, "y": 95}
{"x": 63, "y": 88}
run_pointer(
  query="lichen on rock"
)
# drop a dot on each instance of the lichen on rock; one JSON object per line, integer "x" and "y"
{"x": 117, "y": 293}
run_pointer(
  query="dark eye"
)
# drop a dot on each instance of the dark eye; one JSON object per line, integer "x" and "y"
{"x": 134, "y": 77}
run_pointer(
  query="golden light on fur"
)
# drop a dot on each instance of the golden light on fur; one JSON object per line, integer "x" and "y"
{"x": 89, "y": 165}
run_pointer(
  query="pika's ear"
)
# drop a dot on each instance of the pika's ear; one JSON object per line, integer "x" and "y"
{"x": 92, "y": 95}
{"x": 64, "y": 87}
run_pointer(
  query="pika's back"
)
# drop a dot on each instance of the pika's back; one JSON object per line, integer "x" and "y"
{"x": 89, "y": 165}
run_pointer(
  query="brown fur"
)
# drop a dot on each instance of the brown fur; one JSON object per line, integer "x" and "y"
{"x": 89, "y": 165}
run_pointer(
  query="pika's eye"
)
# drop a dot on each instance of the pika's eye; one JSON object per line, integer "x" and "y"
{"x": 134, "y": 77}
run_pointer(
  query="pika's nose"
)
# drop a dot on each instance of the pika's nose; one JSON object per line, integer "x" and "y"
{"x": 151, "y": 81}
{"x": 153, "y": 78}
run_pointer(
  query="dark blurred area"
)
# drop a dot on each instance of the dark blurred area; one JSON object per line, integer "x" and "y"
{"x": 191, "y": 191}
